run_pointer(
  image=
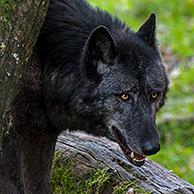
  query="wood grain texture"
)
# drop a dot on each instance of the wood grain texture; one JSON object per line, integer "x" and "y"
{"x": 88, "y": 153}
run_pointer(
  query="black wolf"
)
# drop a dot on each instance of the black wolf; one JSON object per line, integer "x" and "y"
{"x": 94, "y": 74}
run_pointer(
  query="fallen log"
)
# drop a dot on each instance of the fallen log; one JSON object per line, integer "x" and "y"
{"x": 86, "y": 153}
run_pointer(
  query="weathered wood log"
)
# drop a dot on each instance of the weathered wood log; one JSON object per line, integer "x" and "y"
{"x": 87, "y": 153}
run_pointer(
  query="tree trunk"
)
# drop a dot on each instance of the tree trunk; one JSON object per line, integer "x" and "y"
{"x": 87, "y": 153}
{"x": 17, "y": 40}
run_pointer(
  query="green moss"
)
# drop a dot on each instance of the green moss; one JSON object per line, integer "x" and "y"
{"x": 64, "y": 180}
{"x": 6, "y": 10}
{"x": 123, "y": 187}
{"x": 97, "y": 181}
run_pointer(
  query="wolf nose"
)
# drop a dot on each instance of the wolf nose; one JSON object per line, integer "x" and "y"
{"x": 149, "y": 148}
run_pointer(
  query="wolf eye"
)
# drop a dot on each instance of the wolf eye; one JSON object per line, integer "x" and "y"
{"x": 124, "y": 97}
{"x": 154, "y": 95}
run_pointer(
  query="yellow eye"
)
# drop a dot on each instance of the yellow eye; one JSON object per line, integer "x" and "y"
{"x": 124, "y": 97}
{"x": 154, "y": 95}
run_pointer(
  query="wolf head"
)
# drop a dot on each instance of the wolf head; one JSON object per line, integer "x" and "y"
{"x": 116, "y": 92}
{"x": 130, "y": 87}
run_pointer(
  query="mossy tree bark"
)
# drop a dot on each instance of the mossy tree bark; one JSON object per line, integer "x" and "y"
{"x": 20, "y": 23}
{"x": 86, "y": 153}
{"x": 17, "y": 38}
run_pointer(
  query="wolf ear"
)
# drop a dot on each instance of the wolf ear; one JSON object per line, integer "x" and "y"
{"x": 99, "y": 47}
{"x": 147, "y": 31}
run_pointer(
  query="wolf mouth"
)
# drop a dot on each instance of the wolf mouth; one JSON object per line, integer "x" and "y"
{"x": 133, "y": 157}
